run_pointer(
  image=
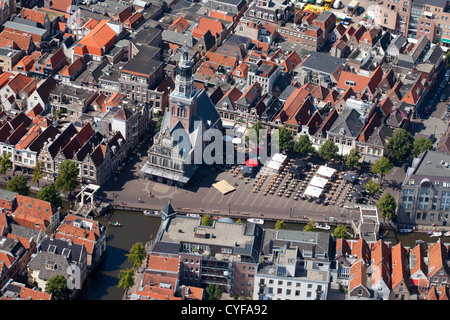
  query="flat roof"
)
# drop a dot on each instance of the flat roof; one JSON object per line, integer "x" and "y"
{"x": 224, "y": 234}
{"x": 433, "y": 163}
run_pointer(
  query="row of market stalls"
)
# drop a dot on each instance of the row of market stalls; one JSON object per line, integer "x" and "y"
{"x": 318, "y": 182}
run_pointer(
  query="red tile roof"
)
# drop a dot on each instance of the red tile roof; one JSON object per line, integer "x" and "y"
{"x": 161, "y": 263}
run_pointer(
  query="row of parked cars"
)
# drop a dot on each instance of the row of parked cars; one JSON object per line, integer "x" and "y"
{"x": 439, "y": 94}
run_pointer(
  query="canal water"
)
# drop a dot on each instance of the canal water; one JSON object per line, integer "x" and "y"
{"x": 102, "y": 282}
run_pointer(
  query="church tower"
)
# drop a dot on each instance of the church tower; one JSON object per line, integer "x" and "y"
{"x": 183, "y": 99}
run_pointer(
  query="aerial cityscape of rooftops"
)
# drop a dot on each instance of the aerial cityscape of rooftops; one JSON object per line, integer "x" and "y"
{"x": 257, "y": 149}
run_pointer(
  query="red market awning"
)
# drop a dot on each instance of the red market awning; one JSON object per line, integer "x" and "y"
{"x": 251, "y": 163}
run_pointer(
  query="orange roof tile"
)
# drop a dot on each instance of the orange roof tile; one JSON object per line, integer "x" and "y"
{"x": 221, "y": 15}
{"x": 214, "y": 26}
{"x": 163, "y": 263}
{"x": 98, "y": 40}
{"x": 33, "y": 15}
{"x": 179, "y": 25}
{"x": 24, "y": 41}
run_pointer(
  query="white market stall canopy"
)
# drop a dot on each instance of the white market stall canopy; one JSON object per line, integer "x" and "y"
{"x": 318, "y": 182}
{"x": 313, "y": 191}
{"x": 279, "y": 157}
{"x": 274, "y": 165}
{"x": 326, "y": 171}
{"x": 236, "y": 140}
{"x": 276, "y": 161}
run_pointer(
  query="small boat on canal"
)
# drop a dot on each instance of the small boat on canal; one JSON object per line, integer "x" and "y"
{"x": 323, "y": 226}
{"x": 447, "y": 234}
{"x": 152, "y": 213}
{"x": 405, "y": 230}
{"x": 435, "y": 233}
{"x": 193, "y": 215}
{"x": 256, "y": 220}
{"x": 115, "y": 224}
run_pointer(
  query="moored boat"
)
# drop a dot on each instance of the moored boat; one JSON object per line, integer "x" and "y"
{"x": 447, "y": 234}
{"x": 115, "y": 224}
{"x": 436, "y": 234}
{"x": 193, "y": 215}
{"x": 323, "y": 226}
{"x": 405, "y": 230}
{"x": 151, "y": 213}
{"x": 256, "y": 220}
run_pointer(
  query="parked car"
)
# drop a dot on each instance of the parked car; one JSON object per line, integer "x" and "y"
{"x": 443, "y": 97}
{"x": 443, "y": 84}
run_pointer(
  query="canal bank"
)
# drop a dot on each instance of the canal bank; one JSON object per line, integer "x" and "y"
{"x": 136, "y": 227}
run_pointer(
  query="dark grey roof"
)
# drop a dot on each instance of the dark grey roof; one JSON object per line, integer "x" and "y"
{"x": 348, "y": 124}
{"x": 384, "y": 41}
{"x": 315, "y": 242}
{"x": 206, "y": 110}
{"x": 142, "y": 64}
{"x": 433, "y": 55}
{"x": 324, "y": 15}
{"x": 381, "y": 135}
{"x": 236, "y": 39}
{"x": 25, "y": 232}
{"x": 70, "y": 250}
{"x": 405, "y": 61}
{"x": 323, "y": 62}
{"x": 399, "y": 41}
{"x": 146, "y": 34}
{"x": 12, "y": 246}
{"x": 178, "y": 38}
{"x": 166, "y": 247}
{"x": 89, "y": 146}
{"x": 437, "y": 3}
{"x": 286, "y": 93}
{"x": 239, "y": 4}
{"x": 42, "y": 258}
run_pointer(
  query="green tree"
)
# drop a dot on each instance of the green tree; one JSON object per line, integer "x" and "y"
{"x": 50, "y": 194}
{"x": 213, "y": 292}
{"x": 59, "y": 113}
{"x": 206, "y": 220}
{"x": 67, "y": 177}
{"x": 310, "y": 226}
{"x": 352, "y": 159}
{"x": 38, "y": 172}
{"x": 387, "y": 206}
{"x": 126, "y": 279}
{"x": 372, "y": 187}
{"x": 303, "y": 145}
{"x": 158, "y": 123}
{"x": 256, "y": 127}
{"x": 329, "y": 150}
{"x": 280, "y": 225}
{"x": 239, "y": 221}
{"x": 341, "y": 232}
{"x": 420, "y": 145}
{"x": 57, "y": 287}
{"x": 5, "y": 164}
{"x": 447, "y": 58}
{"x": 400, "y": 145}
{"x": 137, "y": 254}
{"x": 18, "y": 184}
{"x": 286, "y": 138}
{"x": 382, "y": 167}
